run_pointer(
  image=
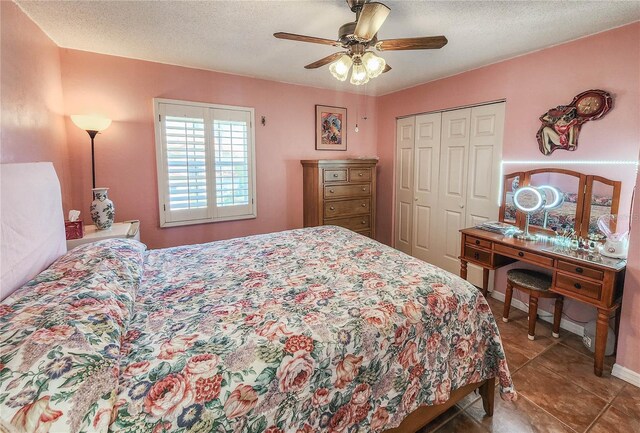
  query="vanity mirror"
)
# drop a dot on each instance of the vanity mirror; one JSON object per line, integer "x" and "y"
{"x": 508, "y": 209}
{"x": 528, "y": 200}
{"x": 573, "y": 200}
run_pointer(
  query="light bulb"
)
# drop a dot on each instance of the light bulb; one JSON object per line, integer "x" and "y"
{"x": 340, "y": 68}
{"x": 359, "y": 74}
{"x": 374, "y": 64}
{"x": 357, "y": 128}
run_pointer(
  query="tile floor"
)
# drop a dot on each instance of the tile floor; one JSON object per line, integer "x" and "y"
{"x": 557, "y": 390}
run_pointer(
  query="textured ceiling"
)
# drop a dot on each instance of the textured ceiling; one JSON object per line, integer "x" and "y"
{"x": 236, "y": 36}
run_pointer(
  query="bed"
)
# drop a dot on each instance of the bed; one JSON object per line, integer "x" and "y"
{"x": 307, "y": 330}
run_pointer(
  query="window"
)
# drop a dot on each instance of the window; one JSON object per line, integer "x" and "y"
{"x": 206, "y": 166}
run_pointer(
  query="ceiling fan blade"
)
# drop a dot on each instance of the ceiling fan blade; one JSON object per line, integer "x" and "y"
{"x": 371, "y": 19}
{"x": 303, "y": 38}
{"x": 387, "y": 68}
{"x": 425, "y": 43}
{"x": 324, "y": 61}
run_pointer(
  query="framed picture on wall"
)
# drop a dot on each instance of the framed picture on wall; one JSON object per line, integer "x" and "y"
{"x": 331, "y": 128}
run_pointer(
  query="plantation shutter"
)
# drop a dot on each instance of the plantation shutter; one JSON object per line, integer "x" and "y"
{"x": 233, "y": 172}
{"x": 185, "y": 149}
{"x": 206, "y": 163}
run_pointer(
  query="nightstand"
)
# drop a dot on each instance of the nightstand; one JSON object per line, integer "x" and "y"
{"x": 127, "y": 229}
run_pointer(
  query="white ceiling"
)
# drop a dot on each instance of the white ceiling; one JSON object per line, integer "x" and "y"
{"x": 236, "y": 36}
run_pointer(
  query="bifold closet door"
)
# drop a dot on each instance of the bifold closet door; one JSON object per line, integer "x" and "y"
{"x": 454, "y": 147}
{"x": 405, "y": 135}
{"x": 483, "y": 183}
{"x": 426, "y": 160}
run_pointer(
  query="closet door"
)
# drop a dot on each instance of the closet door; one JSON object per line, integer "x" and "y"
{"x": 485, "y": 151}
{"x": 405, "y": 136}
{"x": 483, "y": 183}
{"x": 453, "y": 186}
{"x": 425, "y": 187}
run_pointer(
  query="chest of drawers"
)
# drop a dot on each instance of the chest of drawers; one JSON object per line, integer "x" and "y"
{"x": 340, "y": 192}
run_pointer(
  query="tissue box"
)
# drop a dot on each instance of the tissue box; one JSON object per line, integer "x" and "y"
{"x": 74, "y": 229}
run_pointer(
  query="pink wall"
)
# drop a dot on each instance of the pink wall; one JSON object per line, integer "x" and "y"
{"x": 629, "y": 339}
{"x": 32, "y": 124}
{"x": 123, "y": 89}
{"x": 531, "y": 84}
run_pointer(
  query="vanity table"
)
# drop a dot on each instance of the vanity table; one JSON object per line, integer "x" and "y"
{"x": 586, "y": 277}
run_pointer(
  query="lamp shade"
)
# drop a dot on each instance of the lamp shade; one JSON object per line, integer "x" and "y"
{"x": 374, "y": 64}
{"x": 359, "y": 74}
{"x": 91, "y": 122}
{"x": 340, "y": 68}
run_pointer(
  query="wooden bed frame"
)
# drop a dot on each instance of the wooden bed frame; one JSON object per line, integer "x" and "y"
{"x": 425, "y": 414}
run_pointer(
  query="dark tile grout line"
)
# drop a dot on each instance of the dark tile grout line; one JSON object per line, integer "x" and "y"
{"x": 604, "y": 409}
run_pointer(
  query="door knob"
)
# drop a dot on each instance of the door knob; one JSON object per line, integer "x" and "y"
{"x": 461, "y": 206}
{"x": 415, "y": 199}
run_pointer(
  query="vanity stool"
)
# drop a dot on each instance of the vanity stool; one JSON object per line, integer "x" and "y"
{"x": 537, "y": 285}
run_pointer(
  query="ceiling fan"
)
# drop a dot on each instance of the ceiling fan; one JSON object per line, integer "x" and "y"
{"x": 359, "y": 38}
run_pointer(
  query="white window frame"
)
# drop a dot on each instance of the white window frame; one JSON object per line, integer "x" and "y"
{"x": 213, "y": 212}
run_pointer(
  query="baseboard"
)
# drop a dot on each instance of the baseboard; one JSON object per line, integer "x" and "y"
{"x": 565, "y": 324}
{"x": 625, "y": 374}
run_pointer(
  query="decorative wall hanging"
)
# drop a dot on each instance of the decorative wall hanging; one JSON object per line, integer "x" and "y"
{"x": 331, "y": 128}
{"x": 561, "y": 125}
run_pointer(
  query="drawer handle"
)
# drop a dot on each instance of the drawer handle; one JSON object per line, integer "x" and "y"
{"x": 477, "y": 242}
{"x": 579, "y": 270}
{"x": 331, "y": 191}
{"x": 335, "y": 174}
{"x": 360, "y": 174}
{"x": 364, "y": 189}
{"x": 520, "y": 254}
{"x": 476, "y": 256}
{"x": 363, "y": 222}
{"x": 577, "y": 286}
{"x": 332, "y": 208}
{"x": 363, "y": 205}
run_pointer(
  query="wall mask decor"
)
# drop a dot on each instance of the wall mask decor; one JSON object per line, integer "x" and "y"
{"x": 561, "y": 125}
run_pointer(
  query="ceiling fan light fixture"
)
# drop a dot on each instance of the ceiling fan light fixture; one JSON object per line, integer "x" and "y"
{"x": 340, "y": 68}
{"x": 374, "y": 64}
{"x": 359, "y": 74}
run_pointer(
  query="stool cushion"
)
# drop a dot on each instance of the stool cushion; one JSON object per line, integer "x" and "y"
{"x": 529, "y": 279}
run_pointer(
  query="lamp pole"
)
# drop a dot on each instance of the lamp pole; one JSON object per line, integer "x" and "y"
{"x": 92, "y": 134}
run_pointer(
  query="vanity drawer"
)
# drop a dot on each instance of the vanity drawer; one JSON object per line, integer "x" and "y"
{"x": 342, "y": 191}
{"x": 478, "y": 242}
{"x": 477, "y": 255}
{"x": 354, "y": 223}
{"x": 523, "y": 255}
{"x": 334, "y": 209}
{"x": 578, "y": 285}
{"x": 359, "y": 174}
{"x": 580, "y": 270}
{"x": 337, "y": 175}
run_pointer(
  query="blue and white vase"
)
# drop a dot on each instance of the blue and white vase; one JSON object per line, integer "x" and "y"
{"x": 102, "y": 210}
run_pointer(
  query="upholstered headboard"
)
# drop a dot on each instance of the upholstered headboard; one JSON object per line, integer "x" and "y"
{"x": 31, "y": 222}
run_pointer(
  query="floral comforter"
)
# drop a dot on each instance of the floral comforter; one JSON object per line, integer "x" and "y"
{"x": 311, "y": 330}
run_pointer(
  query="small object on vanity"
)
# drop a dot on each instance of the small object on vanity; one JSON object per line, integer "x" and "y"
{"x": 616, "y": 229}
{"x": 73, "y": 227}
{"x": 589, "y": 338}
{"x": 499, "y": 227}
{"x": 536, "y": 285}
{"x": 92, "y": 123}
{"x": 554, "y": 199}
{"x": 528, "y": 200}
{"x": 561, "y": 125}
{"x": 102, "y": 209}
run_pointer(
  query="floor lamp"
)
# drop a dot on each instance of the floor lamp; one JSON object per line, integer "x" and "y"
{"x": 92, "y": 123}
